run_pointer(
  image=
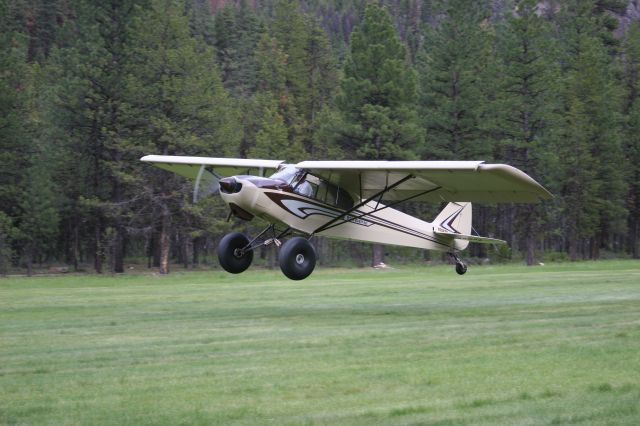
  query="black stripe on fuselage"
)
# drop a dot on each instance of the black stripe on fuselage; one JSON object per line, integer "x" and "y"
{"x": 277, "y": 198}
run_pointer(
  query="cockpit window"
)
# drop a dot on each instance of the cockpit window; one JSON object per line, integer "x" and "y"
{"x": 312, "y": 186}
{"x": 286, "y": 174}
{"x": 333, "y": 195}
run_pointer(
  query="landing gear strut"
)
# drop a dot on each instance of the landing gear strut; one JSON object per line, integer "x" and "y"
{"x": 461, "y": 267}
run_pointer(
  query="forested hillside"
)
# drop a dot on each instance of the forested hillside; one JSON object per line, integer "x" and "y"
{"x": 88, "y": 87}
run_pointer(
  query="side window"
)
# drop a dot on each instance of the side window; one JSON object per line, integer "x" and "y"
{"x": 326, "y": 193}
{"x": 330, "y": 194}
{"x": 344, "y": 201}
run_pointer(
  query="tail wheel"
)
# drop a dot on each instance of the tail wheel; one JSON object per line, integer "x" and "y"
{"x": 461, "y": 268}
{"x": 230, "y": 254}
{"x": 297, "y": 258}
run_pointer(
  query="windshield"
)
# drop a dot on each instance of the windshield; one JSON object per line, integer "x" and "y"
{"x": 287, "y": 174}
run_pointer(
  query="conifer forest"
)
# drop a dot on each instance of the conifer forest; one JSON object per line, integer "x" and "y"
{"x": 88, "y": 87}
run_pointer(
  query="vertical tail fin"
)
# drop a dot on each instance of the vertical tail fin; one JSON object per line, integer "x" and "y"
{"x": 454, "y": 219}
{"x": 455, "y": 222}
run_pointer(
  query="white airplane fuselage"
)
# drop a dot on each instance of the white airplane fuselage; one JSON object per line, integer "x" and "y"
{"x": 276, "y": 202}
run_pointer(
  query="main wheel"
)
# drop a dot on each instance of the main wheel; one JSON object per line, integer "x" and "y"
{"x": 297, "y": 258}
{"x": 461, "y": 268}
{"x": 230, "y": 254}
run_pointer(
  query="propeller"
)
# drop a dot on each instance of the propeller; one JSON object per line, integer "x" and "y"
{"x": 207, "y": 183}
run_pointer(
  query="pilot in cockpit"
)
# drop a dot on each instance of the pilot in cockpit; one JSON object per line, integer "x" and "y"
{"x": 304, "y": 188}
{"x": 295, "y": 177}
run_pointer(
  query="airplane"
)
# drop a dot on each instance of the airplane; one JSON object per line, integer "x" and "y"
{"x": 343, "y": 199}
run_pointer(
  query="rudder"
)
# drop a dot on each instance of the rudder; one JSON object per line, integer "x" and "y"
{"x": 454, "y": 218}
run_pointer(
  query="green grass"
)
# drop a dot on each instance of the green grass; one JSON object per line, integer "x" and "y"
{"x": 558, "y": 344}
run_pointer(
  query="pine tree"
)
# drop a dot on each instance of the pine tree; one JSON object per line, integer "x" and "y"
{"x": 322, "y": 80}
{"x": 307, "y": 71}
{"x": 249, "y": 27}
{"x": 632, "y": 154}
{"x": 591, "y": 102}
{"x": 271, "y": 67}
{"x": 88, "y": 73}
{"x": 14, "y": 110}
{"x": 526, "y": 109}
{"x": 176, "y": 105}
{"x": 455, "y": 65}
{"x": 201, "y": 20}
{"x": 631, "y": 111}
{"x": 15, "y": 146}
{"x": 289, "y": 29}
{"x": 378, "y": 96}
{"x": 7, "y": 235}
{"x": 411, "y": 15}
{"x": 39, "y": 219}
{"x": 237, "y": 33}
{"x": 273, "y": 101}
{"x": 37, "y": 20}
{"x": 604, "y": 11}
{"x": 453, "y": 68}
{"x": 226, "y": 49}
{"x": 272, "y": 139}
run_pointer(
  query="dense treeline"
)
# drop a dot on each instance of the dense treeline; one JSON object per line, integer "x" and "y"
{"x": 88, "y": 87}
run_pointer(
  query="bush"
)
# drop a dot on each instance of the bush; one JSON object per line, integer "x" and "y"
{"x": 556, "y": 256}
{"x": 500, "y": 253}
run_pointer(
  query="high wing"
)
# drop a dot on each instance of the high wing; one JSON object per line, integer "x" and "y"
{"x": 472, "y": 181}
{"x": 206, "y": 171}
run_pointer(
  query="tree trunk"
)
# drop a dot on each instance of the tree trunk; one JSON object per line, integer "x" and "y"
{"x": 118, "y": 250}
{"x": 97, "y": 261}
{"x": 378, "y": 254}
{"x": 195, "y": 258}
{"x": 596, "y": 243}
{"x": 573, "y": 248}
{"x": 356, "y": 252}
{"x": 76, "y": 248}
{"x": 155, "y": 246}
{"x": 119, "y": 237}
{"x": 633, "y": 238}
{"x": 531, "y": 230}
{"x": 29, "y": 261}
{"x": 187, "y": 247}
{"x": 531, "y": 249}
{"x": 165, "y": 243}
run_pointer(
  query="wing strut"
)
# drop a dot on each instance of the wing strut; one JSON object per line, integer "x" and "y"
{"x": 333, "y": 222}
{"x": 376, "y": 210}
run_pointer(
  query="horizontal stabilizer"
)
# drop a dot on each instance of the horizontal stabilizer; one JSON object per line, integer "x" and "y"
{"x": 471, "y": 238}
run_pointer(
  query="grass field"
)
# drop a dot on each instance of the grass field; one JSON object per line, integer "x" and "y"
{"x": 558, "y": 344}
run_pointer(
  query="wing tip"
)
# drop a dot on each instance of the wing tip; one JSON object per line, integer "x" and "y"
{"x": 540, "y": 192}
